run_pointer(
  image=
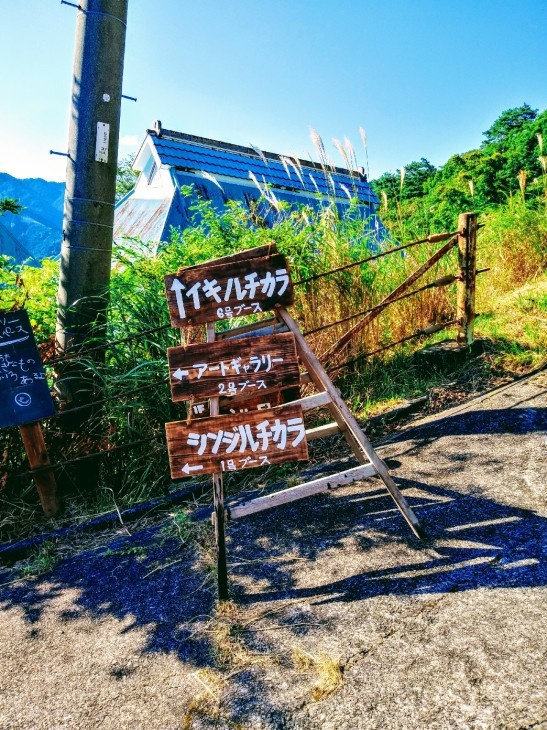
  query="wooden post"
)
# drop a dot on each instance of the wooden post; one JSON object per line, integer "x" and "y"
{"x": 346, "y": 420}
{"x": 467, "y": 246}
{"x": 35, "y": 446}
{"x": 218, "y": 497}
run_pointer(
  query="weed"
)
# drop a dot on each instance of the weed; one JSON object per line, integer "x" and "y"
{"x": 132, "y": 550}
{"x": 43, "y": 560}
{"x": 228, "y": 637}
{"x": 328, "y": 671}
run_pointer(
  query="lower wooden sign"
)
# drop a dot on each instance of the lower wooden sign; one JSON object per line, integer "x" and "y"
{"x": 234, "y": 442}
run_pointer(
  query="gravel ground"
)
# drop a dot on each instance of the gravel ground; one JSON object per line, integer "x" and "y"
{"x": 341, "y": 618}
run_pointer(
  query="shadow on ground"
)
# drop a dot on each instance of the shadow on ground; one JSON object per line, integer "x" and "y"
{"x": 474, "y": 542}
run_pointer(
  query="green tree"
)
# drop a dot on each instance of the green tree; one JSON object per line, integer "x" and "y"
{"x": 508, "y": 122}
{"x": 9, "y": 205}
{"x": 126, "y": 177}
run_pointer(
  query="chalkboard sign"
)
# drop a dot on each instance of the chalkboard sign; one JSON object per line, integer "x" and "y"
{"x": 24, "y": 393}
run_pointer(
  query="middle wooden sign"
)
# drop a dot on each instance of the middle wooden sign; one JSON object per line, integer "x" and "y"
{"x": 242, "y": 366}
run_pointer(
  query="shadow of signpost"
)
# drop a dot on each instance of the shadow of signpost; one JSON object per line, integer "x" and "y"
{"x": 335, "y": 548}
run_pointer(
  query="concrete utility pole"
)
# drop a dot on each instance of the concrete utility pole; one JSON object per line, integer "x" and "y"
{"x": 91, "y": 175}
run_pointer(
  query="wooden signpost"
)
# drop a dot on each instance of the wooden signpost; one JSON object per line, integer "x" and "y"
{"x": 25, "y": 399}
{"x": 231, "y": 443}
{"x": 246, "y": 371}
{"x": 231, "y": 289}
{"x": 244, "y": 367}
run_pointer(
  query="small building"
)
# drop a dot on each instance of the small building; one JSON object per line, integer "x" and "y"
{"x": 218, "y": 171}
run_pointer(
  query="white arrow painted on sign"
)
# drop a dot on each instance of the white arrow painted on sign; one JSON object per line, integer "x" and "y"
{"x": 178, "y": 287}
{"x": 180, "y": 374}
{"x": 186, "y": 469}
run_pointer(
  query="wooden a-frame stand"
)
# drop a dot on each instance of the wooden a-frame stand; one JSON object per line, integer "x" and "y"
{"x": 344, "y": 422}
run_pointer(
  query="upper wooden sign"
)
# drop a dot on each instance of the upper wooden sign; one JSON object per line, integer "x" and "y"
{"x": 242, "y": 366}
{"x": 227, "y": 288}
{"x": 234, "y": 442}
{"x": 24, "y": 392}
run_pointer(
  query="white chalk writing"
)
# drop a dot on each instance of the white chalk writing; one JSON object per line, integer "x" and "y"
{"x": 250, "y": 437}
{"x": 11, "y": 331}
{"x": 236, "y": 288}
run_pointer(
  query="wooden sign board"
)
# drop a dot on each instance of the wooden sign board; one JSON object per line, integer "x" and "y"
{"x": 239, "y": 288}
{"x": 240, "y": 404}
{"x": 232, "y": 443}
{"x": 24, "y": 392}
{"x": 246, "y": 365}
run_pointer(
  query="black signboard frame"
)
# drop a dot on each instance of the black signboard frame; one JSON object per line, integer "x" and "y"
{"x": 24, "y": 392}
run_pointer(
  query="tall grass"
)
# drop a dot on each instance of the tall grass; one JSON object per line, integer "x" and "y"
{"x": 315, "y": 240}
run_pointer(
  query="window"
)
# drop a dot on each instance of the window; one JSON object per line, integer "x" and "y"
{"x": 151, "y": 173}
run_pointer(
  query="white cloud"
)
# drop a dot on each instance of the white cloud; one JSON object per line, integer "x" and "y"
{"x": 129, "y": 140}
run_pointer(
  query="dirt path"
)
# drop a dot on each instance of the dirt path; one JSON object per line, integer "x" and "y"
{"x": 341, "y": 618}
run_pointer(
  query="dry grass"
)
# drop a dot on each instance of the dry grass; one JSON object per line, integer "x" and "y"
{"x": 327, "y": 671}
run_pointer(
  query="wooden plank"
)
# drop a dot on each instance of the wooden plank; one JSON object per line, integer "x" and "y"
{"x": 218, "y": 503}
{"x": 24, "y": 392}
{"x": 376, "y": 311}
{"x": 35, "y": 447}
{"x": 321, "y": 432}
{"x": 228, "y": 368}
{"x": 322, "y": 380}
{"x": 467, "y": 253}
{"x": 253, "y": 327}
{"x": 231, "y": 443}
{"x": 239, "y": 404}
{"x": 213, "y": 292}
{"x": 250, "y": 253}
{"x": 313, "y": 401}
{"x": 301, "y": 491}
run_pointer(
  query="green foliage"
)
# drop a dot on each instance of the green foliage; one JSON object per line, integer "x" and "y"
{"x": 126, "y": 177}
{"x": 42, "y": 560}
{"x": 511, "y": 161}
{"x": 509, "y": 121}
{"x": 33, "y": 288}
{"x": 9, "y": 205}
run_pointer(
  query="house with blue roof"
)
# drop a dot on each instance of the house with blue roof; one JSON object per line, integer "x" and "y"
{"x": 219, "y": 171}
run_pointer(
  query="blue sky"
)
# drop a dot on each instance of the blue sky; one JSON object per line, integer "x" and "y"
{"x": 422, "y": 77}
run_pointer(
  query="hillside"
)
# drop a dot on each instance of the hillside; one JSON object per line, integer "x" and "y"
{"x": 510, "y": 165}
{"x": 38, "y": 227}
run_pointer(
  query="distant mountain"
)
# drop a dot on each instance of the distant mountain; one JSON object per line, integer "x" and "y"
{"x": 38, "y": 228}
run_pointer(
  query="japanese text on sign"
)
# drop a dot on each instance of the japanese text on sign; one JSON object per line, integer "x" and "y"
{"x": 208, "y": 293}
{"x": 24, "y": 392}
{"x": 230, "y": 443}
{"x": 233, "y": 367}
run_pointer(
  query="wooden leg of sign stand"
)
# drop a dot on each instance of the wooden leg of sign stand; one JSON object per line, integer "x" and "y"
{"x": 347, "y": 422}
{"x": 35, "y": 446}
{"x": 219, "y": 517}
